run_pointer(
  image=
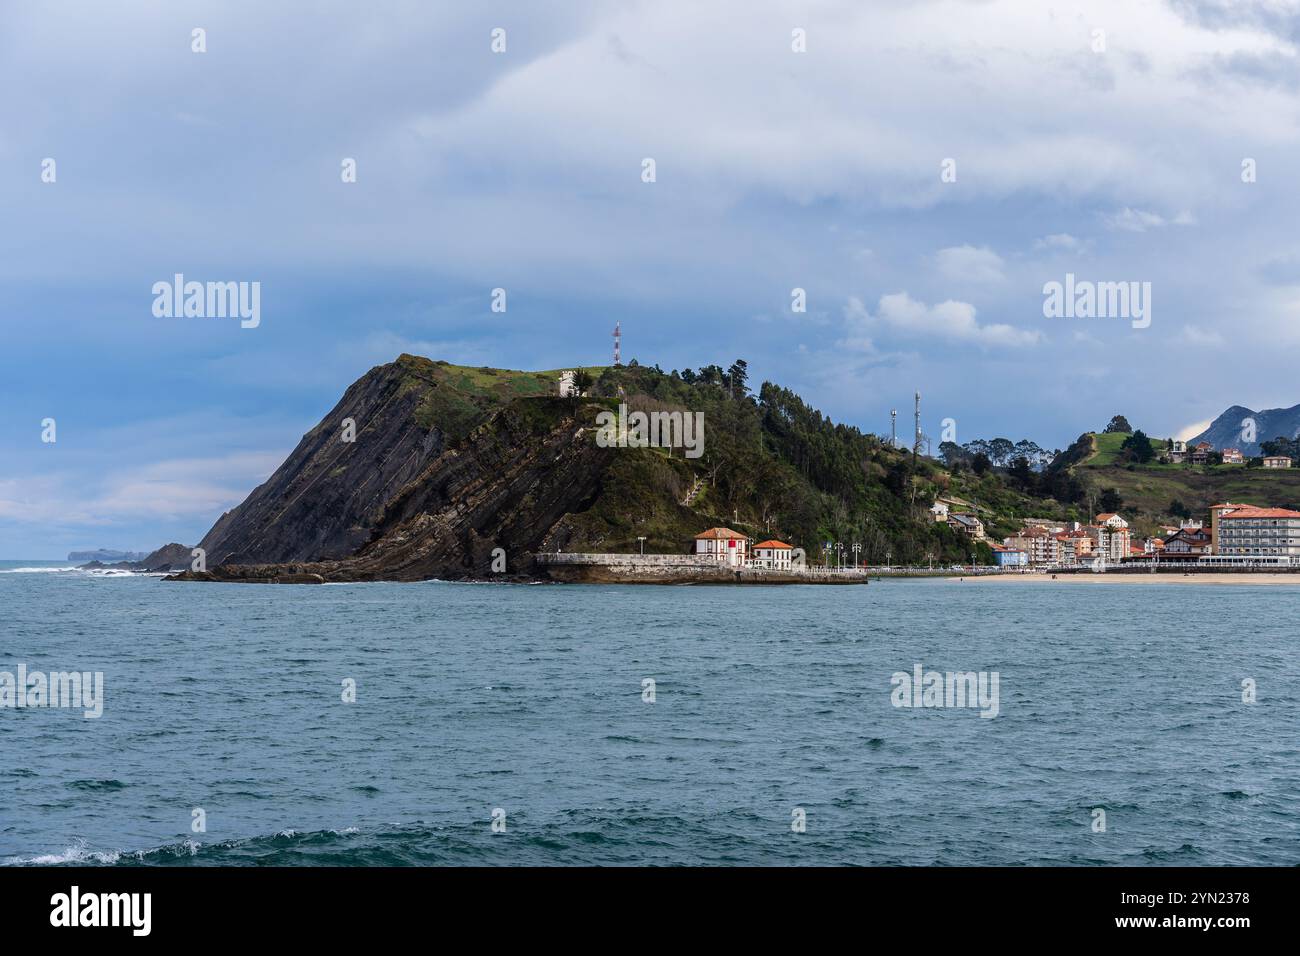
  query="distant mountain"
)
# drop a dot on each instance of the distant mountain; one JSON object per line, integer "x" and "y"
{"x": 1226, "y": 430}
{"x": 106, "y": 555}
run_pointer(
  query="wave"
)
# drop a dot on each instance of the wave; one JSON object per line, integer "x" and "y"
{"x": 88, "y": 572}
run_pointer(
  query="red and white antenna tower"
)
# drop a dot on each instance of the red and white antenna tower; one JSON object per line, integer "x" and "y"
{"x": 618, "y": 338}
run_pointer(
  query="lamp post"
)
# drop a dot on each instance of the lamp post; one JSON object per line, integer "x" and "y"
{"x": 641, "y": 538}
{"x": 857, "y": 551}
{"x": 839, "y": 555}
{"x": 888, "y": 556}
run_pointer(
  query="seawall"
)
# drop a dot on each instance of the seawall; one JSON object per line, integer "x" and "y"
{"x": 577, "y": 568}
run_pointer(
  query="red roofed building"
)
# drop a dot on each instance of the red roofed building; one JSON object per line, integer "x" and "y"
{"x": 727, "y": 546}
{"x": 775, "y": 555}
{"x": 1248, "y": 530}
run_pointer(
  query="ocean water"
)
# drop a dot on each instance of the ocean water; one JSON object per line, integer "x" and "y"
{"x": 470, "y": 698}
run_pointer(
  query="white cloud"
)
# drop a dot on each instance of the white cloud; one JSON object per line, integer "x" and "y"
{"x": 1062, "y": 241}
{"x": 970, "y": 263}
{"x": 1195, "y": 335}
{"x": 1141, "y": 220}
{"x": 1192, "y": 430}
{"x": 949, "y": 321}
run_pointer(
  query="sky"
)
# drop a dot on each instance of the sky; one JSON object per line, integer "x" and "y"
{"x": 1107, "y": 140}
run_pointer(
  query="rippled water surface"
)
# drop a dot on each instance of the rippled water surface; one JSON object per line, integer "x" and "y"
{"x": 529, "y": 699}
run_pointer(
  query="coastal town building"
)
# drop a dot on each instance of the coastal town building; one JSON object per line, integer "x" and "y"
{"x": 1005, "y": 557}
{"x": 1186, "y": 544}
{"x": 1200, "y": 455}
{"x": 1232, "y": 456}
{"x": 775, "y": 555}
{"x": 1277, "y": 461}
{"x": 1217, "y": 511}
{"x": 1111, "y": 520}
{"x": 1252, "y": 531}
{"x": 1040, "y": 545}
{"x": 724, "y": 545}
{"x": 1109, "y": 541}
{"x": 967, "y": 523}
{"x": 567, "y": 388}
{"x": 1075, "y": 546}
{"x": 1177, "y": 453}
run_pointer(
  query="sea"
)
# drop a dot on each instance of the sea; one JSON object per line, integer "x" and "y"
{"x": 505, "y": 724}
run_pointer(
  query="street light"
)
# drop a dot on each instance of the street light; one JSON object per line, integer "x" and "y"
{"x": 641, "y": 538}
{"x": 857, "y": 550}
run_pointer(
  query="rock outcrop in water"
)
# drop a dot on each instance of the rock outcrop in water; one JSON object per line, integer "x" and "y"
{"x": 170, "y": 557}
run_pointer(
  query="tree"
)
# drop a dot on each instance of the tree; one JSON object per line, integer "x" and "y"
{"x": 1021, "y": 471}
{"x": 1179, "y": 510}
{"x": 1139, "y": 445}
{"x": 951, "y": 453}
{"x": 1118, "y": 424}
{"x": 737, "y": 378}
{"x": 1000, "y": 450}
{"x": 980, "y": 464}
{"x": 1110, "y": 500}
{"x": 582, "y": 382}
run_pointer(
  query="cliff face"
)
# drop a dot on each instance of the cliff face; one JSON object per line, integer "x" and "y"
{"x": 328, "y": 497}
{"x": 438, "y": 477}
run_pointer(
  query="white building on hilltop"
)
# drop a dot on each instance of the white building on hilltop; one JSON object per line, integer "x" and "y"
{"x": 567, "y": 388}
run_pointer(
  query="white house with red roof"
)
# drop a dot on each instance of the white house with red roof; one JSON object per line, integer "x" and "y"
{"x": 726, "y": 546}
{"x": 774, "y": 555}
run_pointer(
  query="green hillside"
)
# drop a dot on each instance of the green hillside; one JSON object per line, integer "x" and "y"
{"x": 1098, "y": 462}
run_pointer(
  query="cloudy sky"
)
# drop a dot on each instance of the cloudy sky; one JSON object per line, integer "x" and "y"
{"x": 1104, "y": 139}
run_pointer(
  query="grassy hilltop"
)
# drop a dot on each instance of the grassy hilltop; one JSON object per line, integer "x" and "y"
{"x": 1148, "y": 490}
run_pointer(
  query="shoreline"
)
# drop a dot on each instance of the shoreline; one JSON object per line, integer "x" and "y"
{"x": 1137, "y": 577}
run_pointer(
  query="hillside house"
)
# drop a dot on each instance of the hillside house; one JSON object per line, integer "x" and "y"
{"x": 1233, "y": 456}
{"x": 967, "y": 523}
{"x": 1277, "y": 461}
{"x": 1200, "y": 455}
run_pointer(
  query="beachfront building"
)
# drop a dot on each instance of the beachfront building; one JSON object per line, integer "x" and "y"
{"x": 1075, "y": 546}
{"x": 773, "y": 555}
{"x": 726, "y": 546}
{"x": 1216, "y": 512}
{"x": 1277, "y": 461}
{"x": 1186, "y": 544}
{"x": 1039, "y": 544}
{"x": 1005, "y": 557}
{"x": 1259, "y": 531}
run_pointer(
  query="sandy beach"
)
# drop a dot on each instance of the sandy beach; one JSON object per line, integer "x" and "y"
{"x": 1292, "y": 580}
